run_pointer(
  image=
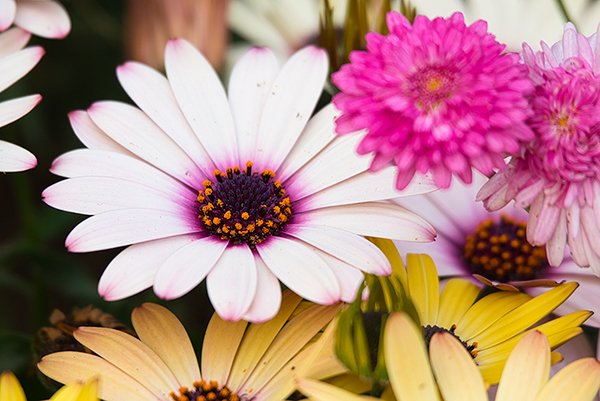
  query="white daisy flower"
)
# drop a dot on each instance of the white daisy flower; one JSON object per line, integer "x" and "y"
{"x": 45, "y": 18}
{"x": 15, "y": 62}
{"x": 493, "y": 245}
{"x": 243, "y": 190}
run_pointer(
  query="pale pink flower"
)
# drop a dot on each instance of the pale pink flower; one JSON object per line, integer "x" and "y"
{"x": 557, "y": 176}
{"x": 45, "y": 18}
{"x": 242, "y": 190}
{"x": 435, "y": 96}
{"x": 472, "y": 240}
{"x": 15, "y": 62}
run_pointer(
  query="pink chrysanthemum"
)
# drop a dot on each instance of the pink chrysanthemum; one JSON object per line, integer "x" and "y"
{"x": 242, "y": 189}
{"x": 435, "y": 96}
{"x": 558, "y": 173}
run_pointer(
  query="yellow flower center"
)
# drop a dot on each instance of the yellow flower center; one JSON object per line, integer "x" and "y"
{"x": 205, "y": 391}
{"x": 242, "y": 206}
{"x": 500, "y": 251}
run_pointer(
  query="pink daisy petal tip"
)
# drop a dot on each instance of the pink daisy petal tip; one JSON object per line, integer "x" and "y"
{"x": 557, "y": 173}
{"x": 429, "y": 103}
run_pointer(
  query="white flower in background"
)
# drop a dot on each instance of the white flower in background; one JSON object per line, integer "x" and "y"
{"x": 472, "y": 240}
{"x": 517, "y": 21}
{"x": 15, "y": 62}
{"x": 45, "y": 18}
{"x": 283, "y": 25}
{"x": 241, "y": 189}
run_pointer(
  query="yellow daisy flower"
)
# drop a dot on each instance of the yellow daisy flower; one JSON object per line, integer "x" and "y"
{"x": 489, "y": 327}
{"x": 525, "y": 375}
{"x": 452, "y": 374}
{"x": 239, "y": 361}
{"x": 11, "y": 390}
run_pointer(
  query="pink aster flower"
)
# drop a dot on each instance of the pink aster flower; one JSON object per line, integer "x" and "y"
{"x": 558, "y": 174}
{"x": 15, "y": 62}
{"x": 242, "y": 190}
{"x": 435, "y": 96}
{"x": 45, "y": 18}
{"x": 493, "y": 245}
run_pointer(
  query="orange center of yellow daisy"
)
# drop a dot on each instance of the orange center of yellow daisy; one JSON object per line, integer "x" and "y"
{"x": 242, "y": 206}
{"x": 500, "y": 251}
{"x": 429, "y": 331}
{"x": 204, "y": 391}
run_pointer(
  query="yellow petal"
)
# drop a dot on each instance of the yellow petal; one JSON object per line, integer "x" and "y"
{"x": 298, "y": 332}
{"x": 457, "y": 375}
{"x": 221, "y": 342}
{"x": 78, "y": 392}
{"x": 391, "y": 252}
{"x": 130, "y": 355}
{"x": 527, "y": 369}
{"x": 257, "y": 340}
{"x": 486, "y": 311}
{"x": 114, "y": 384}
{"x": 457, "y": 297}
{"x": 406, "y": 360}
{"x": 319, "y": 391}
{"x": 524, "y": 316}
{"x": 578, "y": 381}
{"x": 423, "y": 287}
{"x": 160, "y": 330}
{"x": 10, "y": 388}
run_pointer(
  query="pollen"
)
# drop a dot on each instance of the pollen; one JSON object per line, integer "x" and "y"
{"x": 242, "y": 206}
{"x": 203, "y": 390}
{"x": 499, "y": 251}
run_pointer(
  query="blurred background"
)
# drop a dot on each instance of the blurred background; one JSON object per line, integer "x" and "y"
{"x": 37, "y": 274}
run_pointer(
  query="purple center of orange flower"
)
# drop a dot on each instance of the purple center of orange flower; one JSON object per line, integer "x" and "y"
{"x": 205, "y": 391}
{"x": 430, "y": 86}
{"x": 499, "y": 251}
{"x": 429, "y": 331}
{"x": 242, "y": 206}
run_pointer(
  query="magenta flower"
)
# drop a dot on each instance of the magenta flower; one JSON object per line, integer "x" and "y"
{"x": 557, "y": 175}
{"x": 435, "y": 96}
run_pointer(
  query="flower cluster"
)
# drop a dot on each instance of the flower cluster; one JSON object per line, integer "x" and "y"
{"x": 332, "y": 275}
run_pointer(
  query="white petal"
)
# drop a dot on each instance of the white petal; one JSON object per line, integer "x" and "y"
{"x": 44, "y": 18}
{"x": 12, "y": 110}
{"x": 91, "y": 135}
{"x": 15, "y": 158}
{"x": 349, "y": 278}
{"x": 336, "y": 163}
{"x": 317, "y": 134}
{"x": 12, "y": 40}
{"x": 133, "y": 270}
{"x": 202, "y": 99}
{"x": 367, "y": 187}
{"x": 268, "y": 295}
{"x": 231, "y": 284}
{"x": 344, "y": 245}
{"x": 300, "y": 269}
{"x": 376, "y": 219}
{"x": 186, "y": 268}
{"x": 150, "y": 90}
{"x": 8, "y": 9}
{"x": 93, "y": 195}
{"x": 16, "y": 65}
{"x": 127, "y": 226}
{"x": 447, "y": 255}
{"x": 83, "y": 162}
{"x": 133, "y": 130}
{"x": 254, "y": 26}
{"x": 290, "y": 103}
{"x": 249, "y": 86}
{"x": 555, "y": 247}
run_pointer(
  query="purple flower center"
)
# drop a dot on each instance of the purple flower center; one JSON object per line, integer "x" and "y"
{"x": 499, "y": 251}
{"x": 244, "y": 207}
{"x": 429, "y": 331}
{"x": 206, "y": 391}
